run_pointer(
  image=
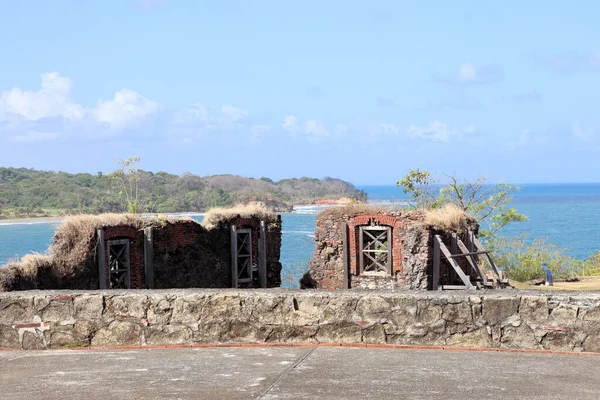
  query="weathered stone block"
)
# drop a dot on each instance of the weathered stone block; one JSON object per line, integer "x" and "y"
{"x": 168, "y": 334}
{"x": 592, "y": 341}
{"x": 66, "y": 338}
{"x": 428, "y": 311}
{"x": 188, "y": 309}
{"x": 160, "y": 310}
{"x": 341, "y": 332}
{"x": 292, "y": 334}
{"x": 9, "y": 337}
{"x": 118, "y": 333}
{"x": 476, "y": 338}
{"x": 33, "y": 341}
{"x": 591, "y": 314}
{"x": 339, "y": 308}
{"x": 221, "y": 305}
{"x": 126, "y": 307}
{"x": 53, "y": 310}
{"x": 16, "y": 309}
{"x": 374, "y": 334}
{"x": 534, "y": 309}
{"x": 88, "y": 307}
{"x": 371, "y": 307}
{"x": 497, "y": 309}
{"x": 458, "y": 313}
{"x": 518, "y": 337}
{"x": 565, "y": 314}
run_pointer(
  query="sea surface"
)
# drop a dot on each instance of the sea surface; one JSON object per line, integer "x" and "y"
{"x": 567, "y": 215}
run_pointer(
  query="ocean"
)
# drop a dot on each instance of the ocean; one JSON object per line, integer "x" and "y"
{"x": 565, "y": 214}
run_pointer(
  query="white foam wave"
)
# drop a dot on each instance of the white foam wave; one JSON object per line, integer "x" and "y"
{"x": 298, "y": 232}
{"x": 29, "y": 223}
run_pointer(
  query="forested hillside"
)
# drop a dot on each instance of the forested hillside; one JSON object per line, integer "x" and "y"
{"x": 27, "y": 192}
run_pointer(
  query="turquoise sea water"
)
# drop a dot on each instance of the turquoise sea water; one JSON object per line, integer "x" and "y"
{"x": 566, "y": 214}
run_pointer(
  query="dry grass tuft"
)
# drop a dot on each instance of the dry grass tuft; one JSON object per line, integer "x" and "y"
{"x": 73, "y": 238}
{"x": 449, "y": 216}
{"x": 216, "y": 216}
{"x": 31, "y": 263}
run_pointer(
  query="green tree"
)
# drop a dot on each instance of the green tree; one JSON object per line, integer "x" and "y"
{"x": 479, "y": 198}
{"x": 127, "y": 178}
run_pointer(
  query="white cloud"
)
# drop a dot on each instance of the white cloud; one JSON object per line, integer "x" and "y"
{"x": 194, "y": 114}
{"x": 580, "y": 133}
{"x": 470, "y": 74}
{"x": 436, "y": 130}
{"x": 290, "y": 124}
{"x": 52, "y": 100}
{"x": 233, "y": 113}
{"x": 467, "y": 73}
{"x": 127, "y": 107}
{"x": 315, "y": 130}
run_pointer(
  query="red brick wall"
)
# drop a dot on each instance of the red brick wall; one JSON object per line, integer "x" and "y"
{"x": 136, "y": 248}
{"x": 381, "y": 220}
{"x": 171, "y": 237}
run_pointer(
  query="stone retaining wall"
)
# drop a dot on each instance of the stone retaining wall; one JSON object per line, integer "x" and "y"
{"x": 500, "y": 319}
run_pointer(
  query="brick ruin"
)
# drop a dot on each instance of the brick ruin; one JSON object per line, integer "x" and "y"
{"x": 185, "y": 254}
{"x": 135, "y": 253}
{"x": 370, "y": 248}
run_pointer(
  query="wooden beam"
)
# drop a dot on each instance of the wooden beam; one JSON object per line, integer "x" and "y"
{"x": 479, "y": 246}
{"x": 149, "y": 258}
{"x": 361, "y": 261}
{"x": 471, "y": 259}
{"x": 101, "y": 256}
{"x": 453, "y": 250}
{"x": 262, "y": 255}
{"x": 467, "y": 253}
{"x": 234, "y": 268}
{"x": 346, "y": 283}
{"x": 436, "y": 263}
{"x": 456, "y": 267}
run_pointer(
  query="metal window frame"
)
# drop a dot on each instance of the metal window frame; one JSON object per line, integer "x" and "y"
{"x": 240, "y": 233}
{"x": 363, "y": 251}
{"x": 127, "y": 270}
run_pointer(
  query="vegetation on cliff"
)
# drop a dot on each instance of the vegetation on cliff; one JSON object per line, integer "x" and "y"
{"x": 29, "y": 192}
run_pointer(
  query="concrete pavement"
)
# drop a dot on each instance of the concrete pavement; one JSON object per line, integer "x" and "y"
{"x": 296, "y": 373}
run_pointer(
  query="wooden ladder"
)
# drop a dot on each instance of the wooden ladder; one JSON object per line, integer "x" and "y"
{"x": 459, "y": 249}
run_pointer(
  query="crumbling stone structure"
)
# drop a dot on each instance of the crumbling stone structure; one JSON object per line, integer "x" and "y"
{"x": 373, "y": 248}
{"x": 128, "y": 252}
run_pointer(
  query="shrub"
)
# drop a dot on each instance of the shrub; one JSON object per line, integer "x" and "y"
{"x": 522, "y": 262}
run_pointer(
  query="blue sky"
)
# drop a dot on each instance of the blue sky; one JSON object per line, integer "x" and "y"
{"x": 351, "y": 89}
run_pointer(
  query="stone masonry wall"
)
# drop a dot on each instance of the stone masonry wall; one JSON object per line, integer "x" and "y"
{"x": 510, "y": 320}
{"x": 411, "y": 244}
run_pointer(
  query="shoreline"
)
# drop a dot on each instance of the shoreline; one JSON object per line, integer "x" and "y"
{"x": 60, "y": 218}
{"x": 296, "y": 208}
